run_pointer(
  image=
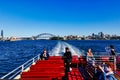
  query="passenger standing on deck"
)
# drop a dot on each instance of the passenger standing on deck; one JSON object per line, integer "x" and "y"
{"x": 112, "y": 50}
{"x": 67, "y": 58}
{"x": 44, "y": 55}
{"x": 90, "y": 57}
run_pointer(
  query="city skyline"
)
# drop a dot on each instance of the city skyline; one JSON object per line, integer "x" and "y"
{"x": 74, "y": 17}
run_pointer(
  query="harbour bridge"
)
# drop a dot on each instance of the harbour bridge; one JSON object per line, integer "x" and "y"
{"x": 44, "y": 36}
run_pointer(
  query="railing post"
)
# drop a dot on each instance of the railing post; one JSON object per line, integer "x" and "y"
{"x": 33, "y": 61}
{"x": 114, "y": 63}
{"x": 22, "y": 68}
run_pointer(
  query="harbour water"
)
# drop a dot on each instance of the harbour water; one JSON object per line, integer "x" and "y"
{"x": 13, "y": 54}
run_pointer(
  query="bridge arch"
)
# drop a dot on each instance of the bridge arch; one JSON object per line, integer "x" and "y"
{"x": 44, "y": 36}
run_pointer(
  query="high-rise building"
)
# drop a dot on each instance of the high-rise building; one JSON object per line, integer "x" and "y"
{"x": 2, "y": 33}
{"x": 101, "y": 35}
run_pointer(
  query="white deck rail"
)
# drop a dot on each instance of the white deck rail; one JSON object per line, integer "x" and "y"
{"x": 103, "y": 58}
{"x": 20, "y": 69}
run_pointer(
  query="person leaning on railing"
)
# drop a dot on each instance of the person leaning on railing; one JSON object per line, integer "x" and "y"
{"x": 113, "y": 54}
{"x": 112, "y": 50}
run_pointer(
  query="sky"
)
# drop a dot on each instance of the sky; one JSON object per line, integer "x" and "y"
{"x": 22, "y": 18}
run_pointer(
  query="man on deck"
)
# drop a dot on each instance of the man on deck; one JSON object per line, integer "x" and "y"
{"x": 67, "y": 58}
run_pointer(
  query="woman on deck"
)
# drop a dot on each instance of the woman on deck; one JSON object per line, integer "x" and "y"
{"x": 89, "y": 53}
{"x": 90, "y": 57}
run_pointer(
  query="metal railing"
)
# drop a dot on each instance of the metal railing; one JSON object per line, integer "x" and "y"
{"x": 106, "y": 58}
{"x": 20, "y": 69}
{"x": 102, "y": 58}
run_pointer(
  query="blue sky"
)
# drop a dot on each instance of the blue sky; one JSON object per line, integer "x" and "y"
{"x": 60, "y": 17}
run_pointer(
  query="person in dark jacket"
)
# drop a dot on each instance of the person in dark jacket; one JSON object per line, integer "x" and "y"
{"x": 112, "y": 50}
{"x": 44, "y": 55}
{"x": 67, "y": 58}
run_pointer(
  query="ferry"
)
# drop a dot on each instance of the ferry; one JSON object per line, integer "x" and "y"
{"x": 54, "y": 68}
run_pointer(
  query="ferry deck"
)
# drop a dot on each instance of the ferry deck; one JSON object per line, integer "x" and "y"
{"x": 54, "y": 68}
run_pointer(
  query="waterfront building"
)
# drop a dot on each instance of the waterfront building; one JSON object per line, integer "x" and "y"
{"x": 101, "y": 35}
{"x": 2, "y": 34}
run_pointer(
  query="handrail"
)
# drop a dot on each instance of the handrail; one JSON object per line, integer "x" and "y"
{"x": 15, "y": 74}
{"x": 21, "y": 68}
{"x": 97, "y": 59}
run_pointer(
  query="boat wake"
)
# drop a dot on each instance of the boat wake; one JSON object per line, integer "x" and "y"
{"x": 59, "y": 49}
